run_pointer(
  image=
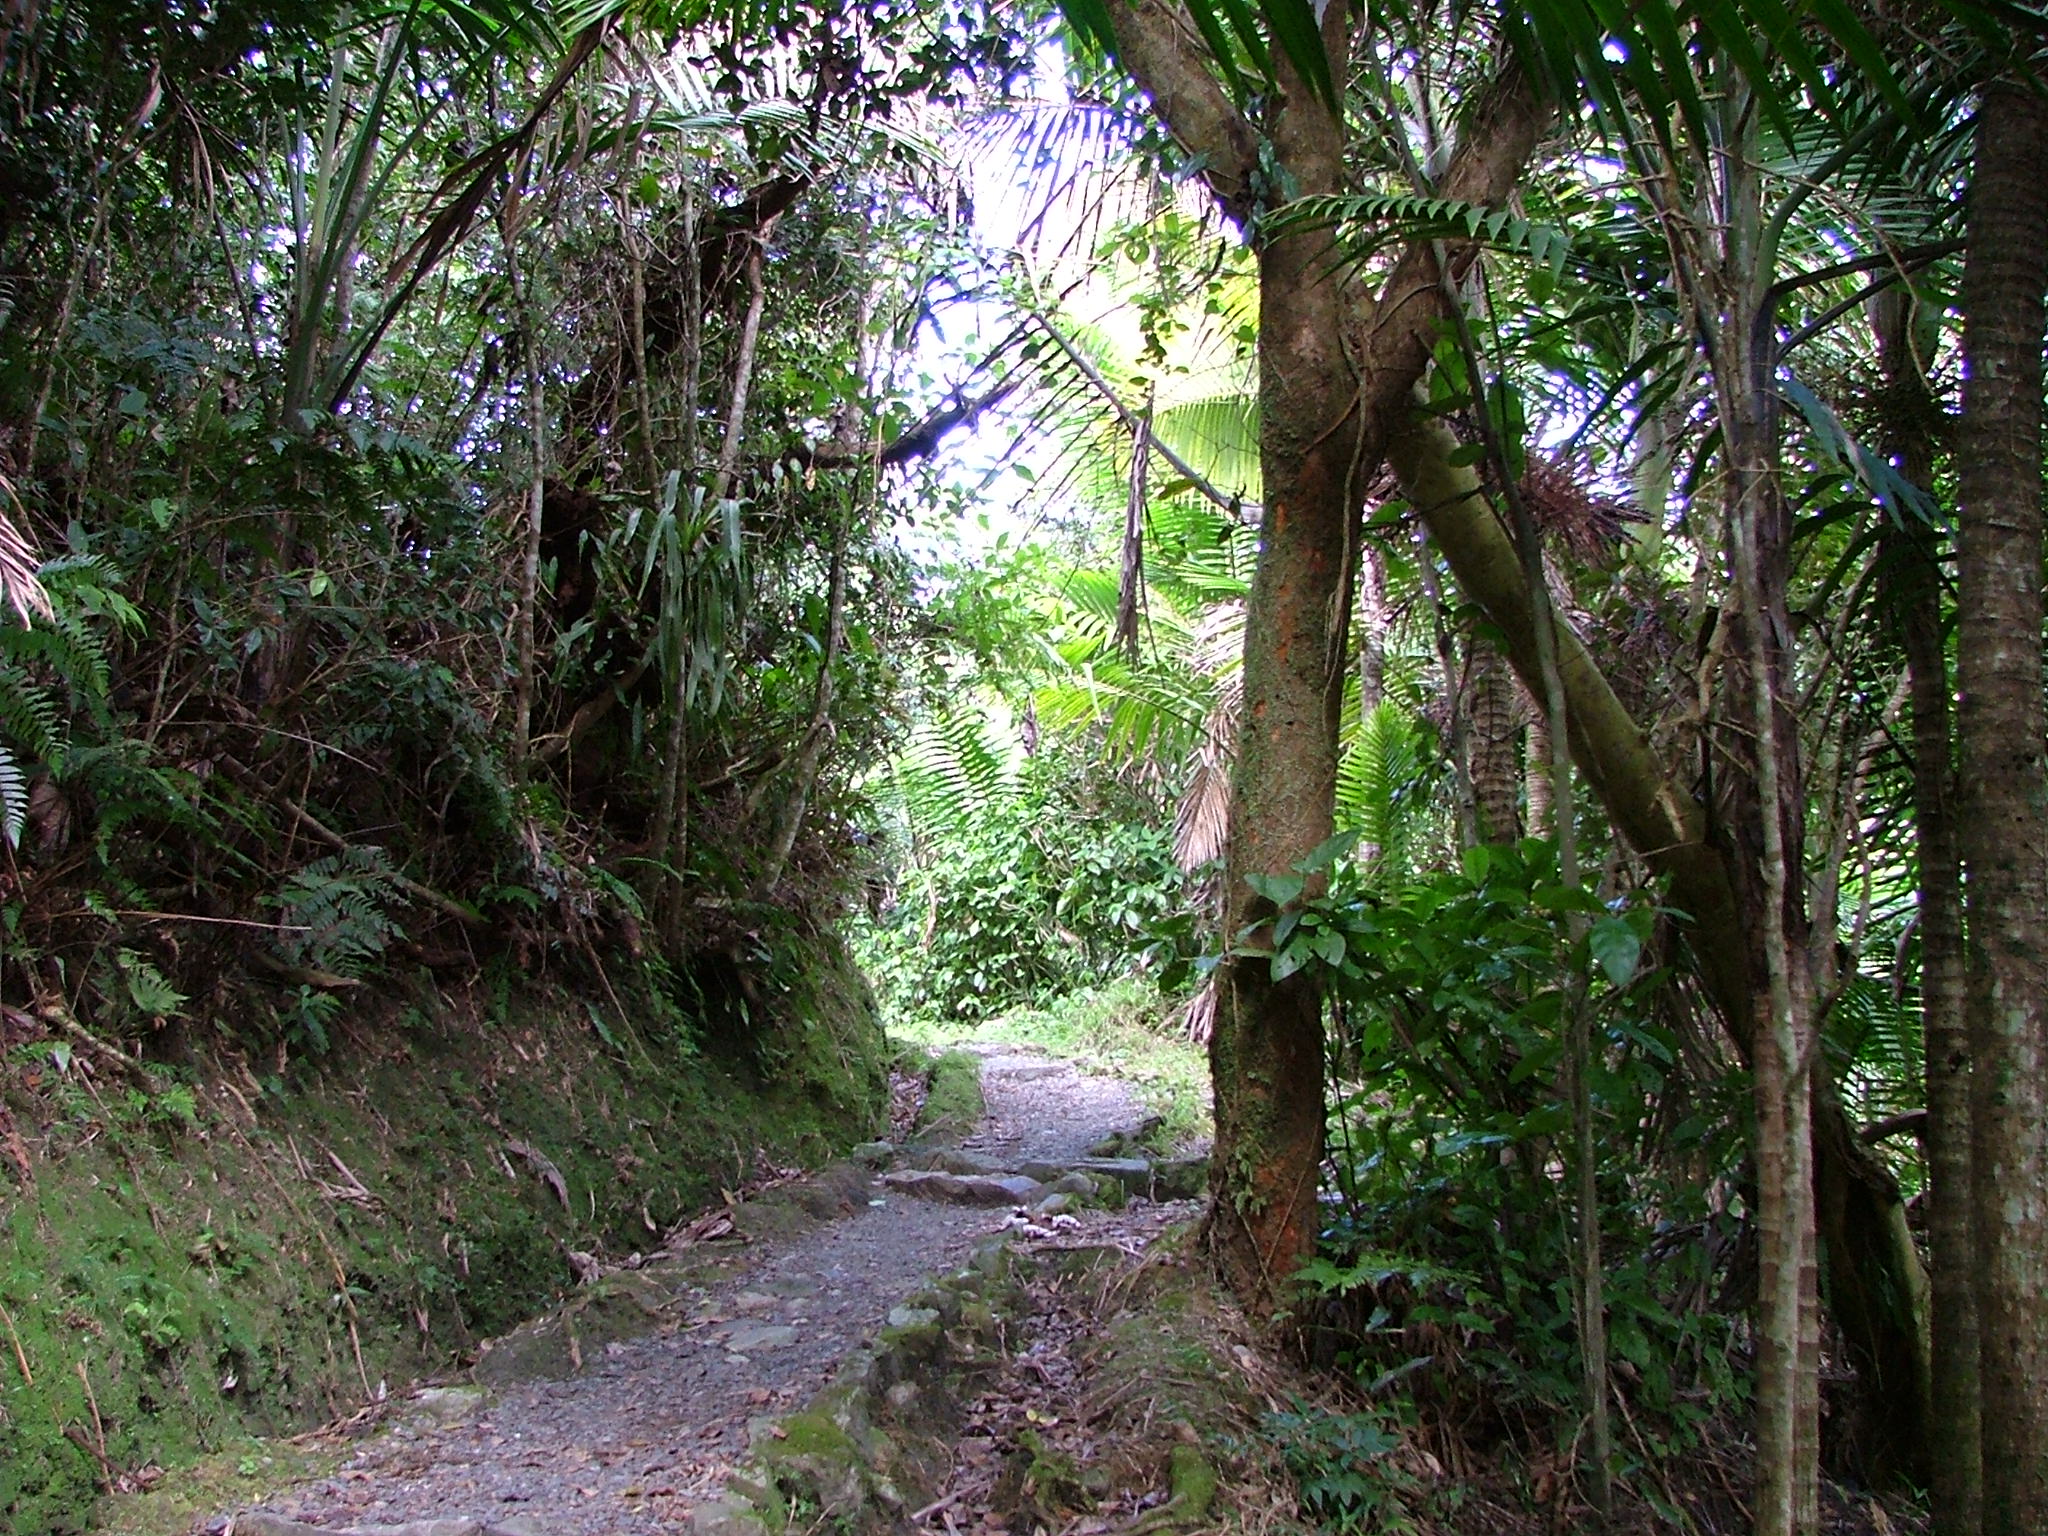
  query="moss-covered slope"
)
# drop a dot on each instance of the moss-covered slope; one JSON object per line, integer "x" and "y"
{"x": 245, "y": 1249}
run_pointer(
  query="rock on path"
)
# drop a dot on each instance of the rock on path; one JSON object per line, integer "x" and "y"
{"x": 651, "y": 1427}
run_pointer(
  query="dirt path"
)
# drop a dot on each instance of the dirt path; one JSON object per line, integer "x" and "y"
{"x": 651, "y": 1428}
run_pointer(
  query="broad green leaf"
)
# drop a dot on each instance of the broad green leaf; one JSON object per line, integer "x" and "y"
{"x": 1615, "y": 948}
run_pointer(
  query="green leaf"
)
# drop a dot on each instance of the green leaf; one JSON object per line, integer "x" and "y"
{"x": 1615, "y": 948}
{"x": 1278, "y": 889}
{"x": 1328, "y": 852}
{"x": 1290, "y": 960}
{"x": 1300, "y": 36}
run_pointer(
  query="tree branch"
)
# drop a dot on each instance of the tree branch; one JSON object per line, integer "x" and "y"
{"x": 1234, "y": 505}
{"x": 1165, "y": 55}
{"x": 915, "y": 442}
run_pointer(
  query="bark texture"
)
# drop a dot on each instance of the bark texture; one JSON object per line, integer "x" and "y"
{"x": 1335, "y": 367}
{"x": 1952, "y": 1463}
{"x": 1266, "y": 1051}
{"x": 1492, "y": 704}
{"x": 2005, "y": 793}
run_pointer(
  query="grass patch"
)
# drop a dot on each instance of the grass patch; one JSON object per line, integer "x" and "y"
{"x": 1123, "y": 1028}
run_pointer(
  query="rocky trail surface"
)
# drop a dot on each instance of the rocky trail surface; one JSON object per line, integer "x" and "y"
{"x": 631, "y": 1409}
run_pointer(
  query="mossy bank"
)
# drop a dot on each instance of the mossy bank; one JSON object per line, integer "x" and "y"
{"x": 188, "y": 1257}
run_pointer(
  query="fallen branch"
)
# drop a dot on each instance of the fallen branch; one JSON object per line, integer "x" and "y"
{"x": 543, "y": 1165}
{"x": 53, "y": 1014}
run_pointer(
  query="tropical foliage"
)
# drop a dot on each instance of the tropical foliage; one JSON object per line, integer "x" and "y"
{"x": 1505, "y": 487}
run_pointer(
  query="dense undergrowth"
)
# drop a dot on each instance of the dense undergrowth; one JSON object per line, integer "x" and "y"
{"x": 1440, "y": 1316}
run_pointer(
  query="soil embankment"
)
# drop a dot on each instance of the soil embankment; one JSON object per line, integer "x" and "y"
{"x": 192, "y": 1255}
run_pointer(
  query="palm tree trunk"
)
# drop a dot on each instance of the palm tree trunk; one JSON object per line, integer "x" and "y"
{"x": 2005, "y": 792}
{"x": 1952, "y": 1464}
{"x": 1490, "y": 698}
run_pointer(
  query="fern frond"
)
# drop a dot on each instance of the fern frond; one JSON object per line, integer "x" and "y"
{"x": 13, "y": 799}
{"x": 1376, "y": 786}
{"x": 335, "y": 913}
{"x": 30, "y": 716}
{"x": 74, "y": 653}
{"x": 950, "y": 771}
{"x": 1369, "y": 221}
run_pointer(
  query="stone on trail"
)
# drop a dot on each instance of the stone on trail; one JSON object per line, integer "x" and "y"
{"x": 873, "y": 1153}
{"x": 1181, "y": 1178}
{"x": 964, "y": 1189}
{"x": 446, "y": 1405}
{"x": 966, "y": 1164}
{"x": 752, "y": 1336}
{"x": 1134, "y": 1173}
{"x": 725, "y": 1518}
{"x": 1025, "y": 1071}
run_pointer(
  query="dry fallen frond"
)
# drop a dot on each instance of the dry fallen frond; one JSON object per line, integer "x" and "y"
{"x": 19, "y": 588}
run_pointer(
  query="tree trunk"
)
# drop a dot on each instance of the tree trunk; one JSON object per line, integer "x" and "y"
{"x": 1767, "y": 818}
{"x": 1491, "y": 699}
{"x": 1951, "y": 1461}
{"x": 1335, "y": 370}
{"x": 2005, "y": 793}
{"x": 1266, "y": 1049}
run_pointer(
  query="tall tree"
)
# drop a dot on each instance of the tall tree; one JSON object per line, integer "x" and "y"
{"x": 1955, "y": 1455}
{"x": 2005, "y": 791}
{"x": 1336, "y": 364}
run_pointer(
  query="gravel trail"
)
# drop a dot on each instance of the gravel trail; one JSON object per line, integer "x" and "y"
{"x": 651, "y": 1429}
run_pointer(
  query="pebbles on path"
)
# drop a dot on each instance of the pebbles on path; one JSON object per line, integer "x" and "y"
{"x": 653, "y": 1427}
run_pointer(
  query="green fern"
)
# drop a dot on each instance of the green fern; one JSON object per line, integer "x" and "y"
{"x": 152, "y": 995}
{"x": 13, "y": 799}
{"x": 30, "y": 715}
{"x": 74, "y": 653}
{"x": 1369, "y": 221}
{"x": 954, "y": 770}
{"x": 1378, "y": 783}
{"x": 335, "y": 914}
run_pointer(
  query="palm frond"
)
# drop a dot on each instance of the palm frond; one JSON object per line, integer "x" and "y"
{"x": 19, "y": 587}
